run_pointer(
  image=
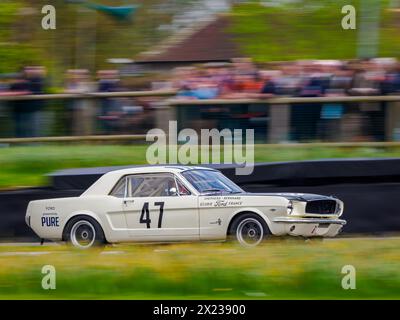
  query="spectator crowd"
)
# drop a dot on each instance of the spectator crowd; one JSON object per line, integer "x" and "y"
{"x": 332, "y": 121}
{"x": 239, "y": 79}
{"x": 31, "y": 119}
{"x": 311, "y": 78}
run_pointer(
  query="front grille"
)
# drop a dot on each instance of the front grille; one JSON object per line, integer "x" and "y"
{"x": 321, "y": 207}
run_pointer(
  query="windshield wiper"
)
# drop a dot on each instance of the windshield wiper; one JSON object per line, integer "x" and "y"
{"x": 212, "y": 190}
{"x": 221, "y": 190}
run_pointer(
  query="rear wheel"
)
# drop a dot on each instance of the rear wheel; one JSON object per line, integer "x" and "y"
{"x": 249, "y": 230}
{"x": 84, "y": 232}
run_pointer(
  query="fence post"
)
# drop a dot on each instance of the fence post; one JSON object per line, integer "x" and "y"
{"x": 84, "y": 117}
{"x": 3, "y": 119}
{"x": 279, "y": 123}
{"x": 392, "y": 121}
{"x": 164, "y": 113}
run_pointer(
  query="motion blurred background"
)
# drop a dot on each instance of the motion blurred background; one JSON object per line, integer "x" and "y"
{"x": 86, "y": 93}
{"x": 189, "y": 53}
{"x": 112, "y": 70}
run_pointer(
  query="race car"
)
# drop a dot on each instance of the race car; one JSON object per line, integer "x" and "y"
{"x": 180, "y": 203}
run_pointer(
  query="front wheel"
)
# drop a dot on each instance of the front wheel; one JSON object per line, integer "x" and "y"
{"x": 249, "y": 230}
{"x": 84, "y": 232}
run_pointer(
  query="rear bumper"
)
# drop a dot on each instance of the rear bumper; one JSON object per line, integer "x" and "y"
{"x": 310, "y": 227}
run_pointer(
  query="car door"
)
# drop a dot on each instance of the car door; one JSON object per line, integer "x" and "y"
{"x": 155, "y": 210}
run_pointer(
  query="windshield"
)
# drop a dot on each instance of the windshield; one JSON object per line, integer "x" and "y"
{"x": 210, "y": 181}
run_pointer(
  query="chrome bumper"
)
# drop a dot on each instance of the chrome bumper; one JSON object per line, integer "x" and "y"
{"x": 309, "y": 220}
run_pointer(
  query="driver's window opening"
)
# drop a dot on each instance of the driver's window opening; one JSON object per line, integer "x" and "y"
{"x": 152, "y": 185}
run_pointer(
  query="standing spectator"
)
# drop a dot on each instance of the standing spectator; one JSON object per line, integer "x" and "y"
{"x": 80, "y": 109}
{"x": 314, "y": 84}
{"x": 367, "y": 81}
{"x": 391, "y": 82}
{"x": 364, "y": 80}
{"x": 108, "y": 82}
{"x": 4, "y": 90}
{"x": 21, "y": 113}
{"x": 269, "y": 87}
{"x": 35, "y": 81}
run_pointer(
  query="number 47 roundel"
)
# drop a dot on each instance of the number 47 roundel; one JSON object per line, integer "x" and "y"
{"x": 145, "y": 215}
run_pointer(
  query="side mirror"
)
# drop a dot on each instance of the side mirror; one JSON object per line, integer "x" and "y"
{"x": 173, "y": 192}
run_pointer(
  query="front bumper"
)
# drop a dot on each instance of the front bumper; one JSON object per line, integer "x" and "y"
{"x": 311, "y": 227}
{"x": 310, "y": 220}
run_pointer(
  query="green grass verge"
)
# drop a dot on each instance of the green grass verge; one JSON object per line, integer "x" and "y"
{"x": 278, "y": 269}
{"x": 28, "y": 165}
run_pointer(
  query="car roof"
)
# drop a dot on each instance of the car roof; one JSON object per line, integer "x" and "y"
{"x": 158, "y": 168}
{"x": 104, "y": 184}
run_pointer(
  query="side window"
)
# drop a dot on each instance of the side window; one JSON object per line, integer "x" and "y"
{"x": 119, "y": 189}
{"x": 183, "y": 191}
{"x": 152, "y": 185}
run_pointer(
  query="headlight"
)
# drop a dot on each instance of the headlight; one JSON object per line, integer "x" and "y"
{"x": 339, "y": 208}
{"x": 289, "y": 208}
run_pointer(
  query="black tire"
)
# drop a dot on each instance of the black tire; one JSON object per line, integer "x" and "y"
{"x": 84, "y": 232}
{"x": 248, "y": 229}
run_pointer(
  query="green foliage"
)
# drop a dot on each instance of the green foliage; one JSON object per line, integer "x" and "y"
{"x": 7, "y": 11}
{"x": 12, "y": 53}
{"x": 306, "y": 30}
{"x": 84, "y": 38}
{"x": 14, "y": 56}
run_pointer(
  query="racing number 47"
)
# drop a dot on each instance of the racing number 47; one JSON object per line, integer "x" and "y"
{"x": 145, "y": 216}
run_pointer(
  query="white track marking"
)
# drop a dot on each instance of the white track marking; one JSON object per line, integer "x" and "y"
{"x": 28, "y": 244}
{"x": 112, "y": 252}
{"x": 255, "y": 294}
{"x": 23, "y": 253}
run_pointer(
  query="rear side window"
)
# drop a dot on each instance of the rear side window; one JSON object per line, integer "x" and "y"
{"x": 119, "y": 189}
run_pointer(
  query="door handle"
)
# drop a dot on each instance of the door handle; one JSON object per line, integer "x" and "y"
{"x": 128, "y": 201}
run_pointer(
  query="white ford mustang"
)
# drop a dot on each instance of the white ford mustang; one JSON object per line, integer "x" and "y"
{"x": 180, "y": 203}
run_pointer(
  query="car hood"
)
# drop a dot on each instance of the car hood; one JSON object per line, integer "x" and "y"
{"x": 291, "y": 196}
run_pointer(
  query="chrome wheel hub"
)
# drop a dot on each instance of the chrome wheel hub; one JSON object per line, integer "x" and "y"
{"x": 250, "y": 232}
{"x": 83, "y": 234}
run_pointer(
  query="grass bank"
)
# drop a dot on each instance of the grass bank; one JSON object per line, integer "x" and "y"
{"x": 276, "y": 270}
